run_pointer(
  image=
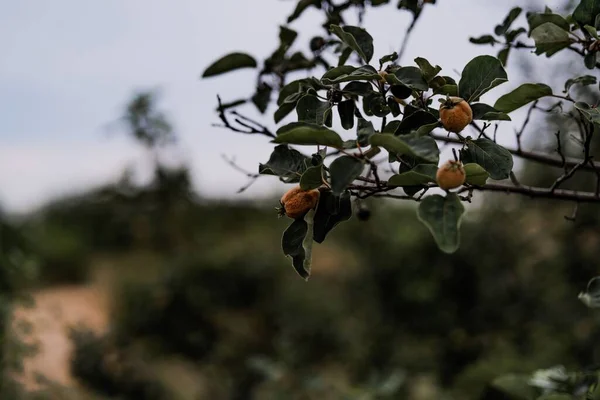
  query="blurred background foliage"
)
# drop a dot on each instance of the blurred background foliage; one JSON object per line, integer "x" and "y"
{"x": 204, "y": 305}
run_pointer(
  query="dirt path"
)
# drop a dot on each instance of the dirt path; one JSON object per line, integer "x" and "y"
{"x": 55, "y": 310}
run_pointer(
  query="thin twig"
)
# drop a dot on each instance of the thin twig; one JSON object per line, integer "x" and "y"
{"x": 560, "y": 152}
{"x": 252, "y": 177}
{"x": 243, "y": 121}
{"x": 519, "y": 133}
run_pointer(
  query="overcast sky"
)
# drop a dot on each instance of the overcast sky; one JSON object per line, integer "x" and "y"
{"x": 68, "y": 68}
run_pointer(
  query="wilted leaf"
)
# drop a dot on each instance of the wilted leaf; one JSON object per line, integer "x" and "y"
{"x": 296, "y": 243}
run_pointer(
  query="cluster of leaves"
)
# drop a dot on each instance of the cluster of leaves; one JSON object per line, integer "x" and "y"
{"x": 363, "y": 92}
{"x": 551, "y": 33}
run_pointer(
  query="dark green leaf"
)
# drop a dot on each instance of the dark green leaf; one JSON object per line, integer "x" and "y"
{"x": 288, "y": 164}
{"x": 587, "y": 10}
{"x": 513, "y": 34}
{"x": 391, "y": 127}
{"x": 512, "y": 15}
{"x": 419, "y": 175}
{"x": 388, "y": 58}
{"x": 345, "y": 54}
{"x": 480, "y": 75}
{"x": 376, "y": 105}
{"x": 393, "y": 106}
{"x": 485, "y": 39}
{"x": 476, "y": 175}
{"x": 408, "y": 76}
{"x": 343, "y": 171}
{"x": 503, "y": 55}
{"x": 427, "y": 129}
{"x": 262, "y": 97}
{"x": 336, "y": 72}
{"x": 448, "y": 89}
{"x": 283, "y": 111}
{"x": 423, "y": 147}
{"x": 584, "y": 80}
{"x": 304, "y": 133}
{"x": 301, "y": 6}
{"x": 358, "y": 88}
{"x": 364, "y": 131}
{"x": 592, "y": 31}
{"x": 228, "y": 63}
{"x": 429, "y": 71}
{"x": 414, "y": 121}
{"x": 590, "y": 60}
{"x": 287, "y": 36}
{"x": 495, "y": 159}
{"x": 486, "y": 112}
{"x": 346, "y": 112}
{"x": 296, "y": 243}
{"x": 522, "y": 95}
{"x": 442, "y": 216}
{"x": 330, "y": 212}
{"x": 311, "y": 109}
{"x": 312, "y": 178}
{"x": 357, "y": 39}
{"x": 534, "y": 20}
{"x": 550, "y": 38}
{"x": 364, "y": 73}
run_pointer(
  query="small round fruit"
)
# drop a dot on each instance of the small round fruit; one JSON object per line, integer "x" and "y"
{"x": 383, "y": 74}
{"x": 450, "y": 175}
{"x": 455, "y": 114}
{"x": 297, "y": 202}
{"x": 401, "y": 92}
{"x": 317, "y": 43}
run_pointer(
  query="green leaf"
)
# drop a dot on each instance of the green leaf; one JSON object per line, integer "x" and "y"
{"x": 312, "y": 178}
{"x": 311, "y": 109}
{"x": 288, "y": 164}
{"x": 287, "y": 36}
{"x": 495, "y": 159}
{"x": 375, "y": 104}
{"x": 534, "y": 20}
{"x": 393, "y": 106}
{"x": 486, "y": 112}
{"x": 356, "y": 38}
{"x": 346, "y": 112}
{"x": 423, "y": 147}
{"x": 330, "y": 212}
{"x": 343, "y": 171}
{"x": 549, "y": 39}
{"x": 513, "y": 34}
{"x": 283, "y": 111}
{"x": 485, "y": 39}
{"x": 262, "y": 97}
{"x": 429, "y": 71}
{"x": 427, "y": 129}
{"x": 476, "y": 174}
{"x": 364, "y": 73}
{"x": 358, "y": 88}
{"x": 364, "y": 131}
{"x": 301, "y": 6}
{"x": 503, "y": 55}
{"x": 391, "y": 127}
{"x": 592, "y": 31}
{"x": 442, "y": 216}
{"x": 388, "y": 58}
{"x": 584, "y": 80}
{"x": 408, "y": 76}
{"x": 592, "y": 114}
{"x": 585, "y": 13}
{"x": 522, "y": 95}
{"x": 415, "y": 121}
{"x": 448, "y": 89}
{"x": 480, "y": 75}
{"x": 336, "y": 72}
{"x": 304, "y": 133}
{"x": 229, "y": 63}
{"x": 510, "y": 18}
{"x": 590, "y": 60}
{"x": 296, "y": 243}
{"x": 419, "y": 175}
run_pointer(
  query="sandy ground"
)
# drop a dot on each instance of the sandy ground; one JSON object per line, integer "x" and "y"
{"x": 55, "y": 310}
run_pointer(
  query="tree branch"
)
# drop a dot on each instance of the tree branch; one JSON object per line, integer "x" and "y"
{"x": 536, "y": 192}
{"x": 252, "y": 127}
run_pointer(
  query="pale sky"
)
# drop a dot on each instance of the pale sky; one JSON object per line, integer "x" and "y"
{"x": 68, "y": 68}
